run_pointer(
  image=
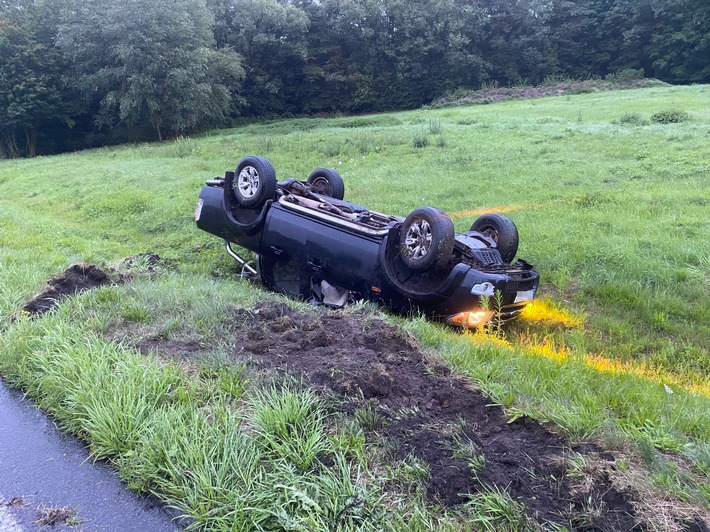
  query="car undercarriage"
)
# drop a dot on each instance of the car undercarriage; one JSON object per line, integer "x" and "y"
{"x": 311, "y": 244}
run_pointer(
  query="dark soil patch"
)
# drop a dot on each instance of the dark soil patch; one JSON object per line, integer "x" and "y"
{"x": 425, "y": 410}
{"x": 75, "y": 279}
{"x": 80, "y": 277}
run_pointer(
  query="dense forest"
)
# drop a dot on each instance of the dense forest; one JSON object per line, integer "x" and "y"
{"x": 78, "y": 73}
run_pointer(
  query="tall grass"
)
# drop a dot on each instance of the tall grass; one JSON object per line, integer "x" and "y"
{"x": 272, "y": 462}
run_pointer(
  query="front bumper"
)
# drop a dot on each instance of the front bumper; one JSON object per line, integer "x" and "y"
{"x": 482, "y": 296}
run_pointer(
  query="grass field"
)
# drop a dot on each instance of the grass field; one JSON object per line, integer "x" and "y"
{"x": 613, "y": 207}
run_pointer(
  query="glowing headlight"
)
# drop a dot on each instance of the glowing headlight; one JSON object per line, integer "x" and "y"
{"x": 198, "y": 209}
{"x": 472, "y": 319}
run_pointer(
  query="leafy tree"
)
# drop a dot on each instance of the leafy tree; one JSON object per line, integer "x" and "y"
{"x": 149, "y": 63}
{"x": 384, "y": 54}
{"x": 637, "y": 35}
{"x": 669, "y": 39}
{"x": 350, "y": 57}
{"x": 437, "y": 47}
{"x": 270, "y": 36}
{"x": 679, "y": 50}
{"x": 518, "y": 46}
{"x": 32, "y": 101}
{"x": 172, "y": 66}
{"x": 573, "y": 32}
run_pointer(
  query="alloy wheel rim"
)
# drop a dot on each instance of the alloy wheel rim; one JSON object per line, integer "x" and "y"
{"x": 248, "y": 182}
{"x": 417, "y": 241}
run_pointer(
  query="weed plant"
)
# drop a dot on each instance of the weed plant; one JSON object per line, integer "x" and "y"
{"x": 420, "y": 139}
{"x": 184, "y": 147}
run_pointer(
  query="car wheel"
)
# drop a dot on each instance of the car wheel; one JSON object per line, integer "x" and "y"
{"x": 426, "y": 239}
{"x": 327, "y": 182}
{"x": 502, "y": 231}
{"x": 254, "y": 181}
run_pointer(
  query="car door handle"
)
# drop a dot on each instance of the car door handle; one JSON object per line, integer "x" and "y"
{"x": 277, "y": 251}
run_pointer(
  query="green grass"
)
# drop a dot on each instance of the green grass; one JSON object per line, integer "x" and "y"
{"x": 276, "y": 461}
{"x": 496, "y": 511}
{"x": 612, "y": 208}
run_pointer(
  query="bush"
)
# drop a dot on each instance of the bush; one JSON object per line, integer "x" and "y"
{"x": 555, "y": 79}
{"x": 632, "y": 119}
{"x": 332, "y": 148}
{"x": 183, "y": 147}
{"x": 670, "y": 116}
{"x": 490, "y": 85}
{"x": 456, "y": 93}
{"x": 363, "y": 144}
{"x": 625, "y": 75}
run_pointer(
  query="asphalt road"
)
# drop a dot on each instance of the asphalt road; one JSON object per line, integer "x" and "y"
{"x": 45, "y": 473}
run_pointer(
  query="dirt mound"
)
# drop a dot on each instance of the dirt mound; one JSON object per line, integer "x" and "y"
{"x": 431, "y": 414}
{"x": 75, "y": 279}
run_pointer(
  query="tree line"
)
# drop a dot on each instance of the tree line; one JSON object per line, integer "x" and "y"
{"x": 78, "y": 73}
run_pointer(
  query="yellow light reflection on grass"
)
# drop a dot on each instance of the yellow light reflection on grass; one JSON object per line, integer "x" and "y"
{"x": 641, "y": 369}
{"x": 501, "y": 209}
{"x": 546, "y": 347}
{"x": 543, "y": 312}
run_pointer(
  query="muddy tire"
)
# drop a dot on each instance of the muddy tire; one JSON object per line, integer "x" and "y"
{"x": 502, "y": 231}
{"x": 426, "y": 239}
{"x": 254, "y": 181}
{"x": 327, "y": 182}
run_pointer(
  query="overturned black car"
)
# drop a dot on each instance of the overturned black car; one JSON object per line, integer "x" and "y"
{"x": 311, "y": 244}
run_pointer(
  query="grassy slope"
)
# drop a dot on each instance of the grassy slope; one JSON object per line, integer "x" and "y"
{"x": 614, "y": 216}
